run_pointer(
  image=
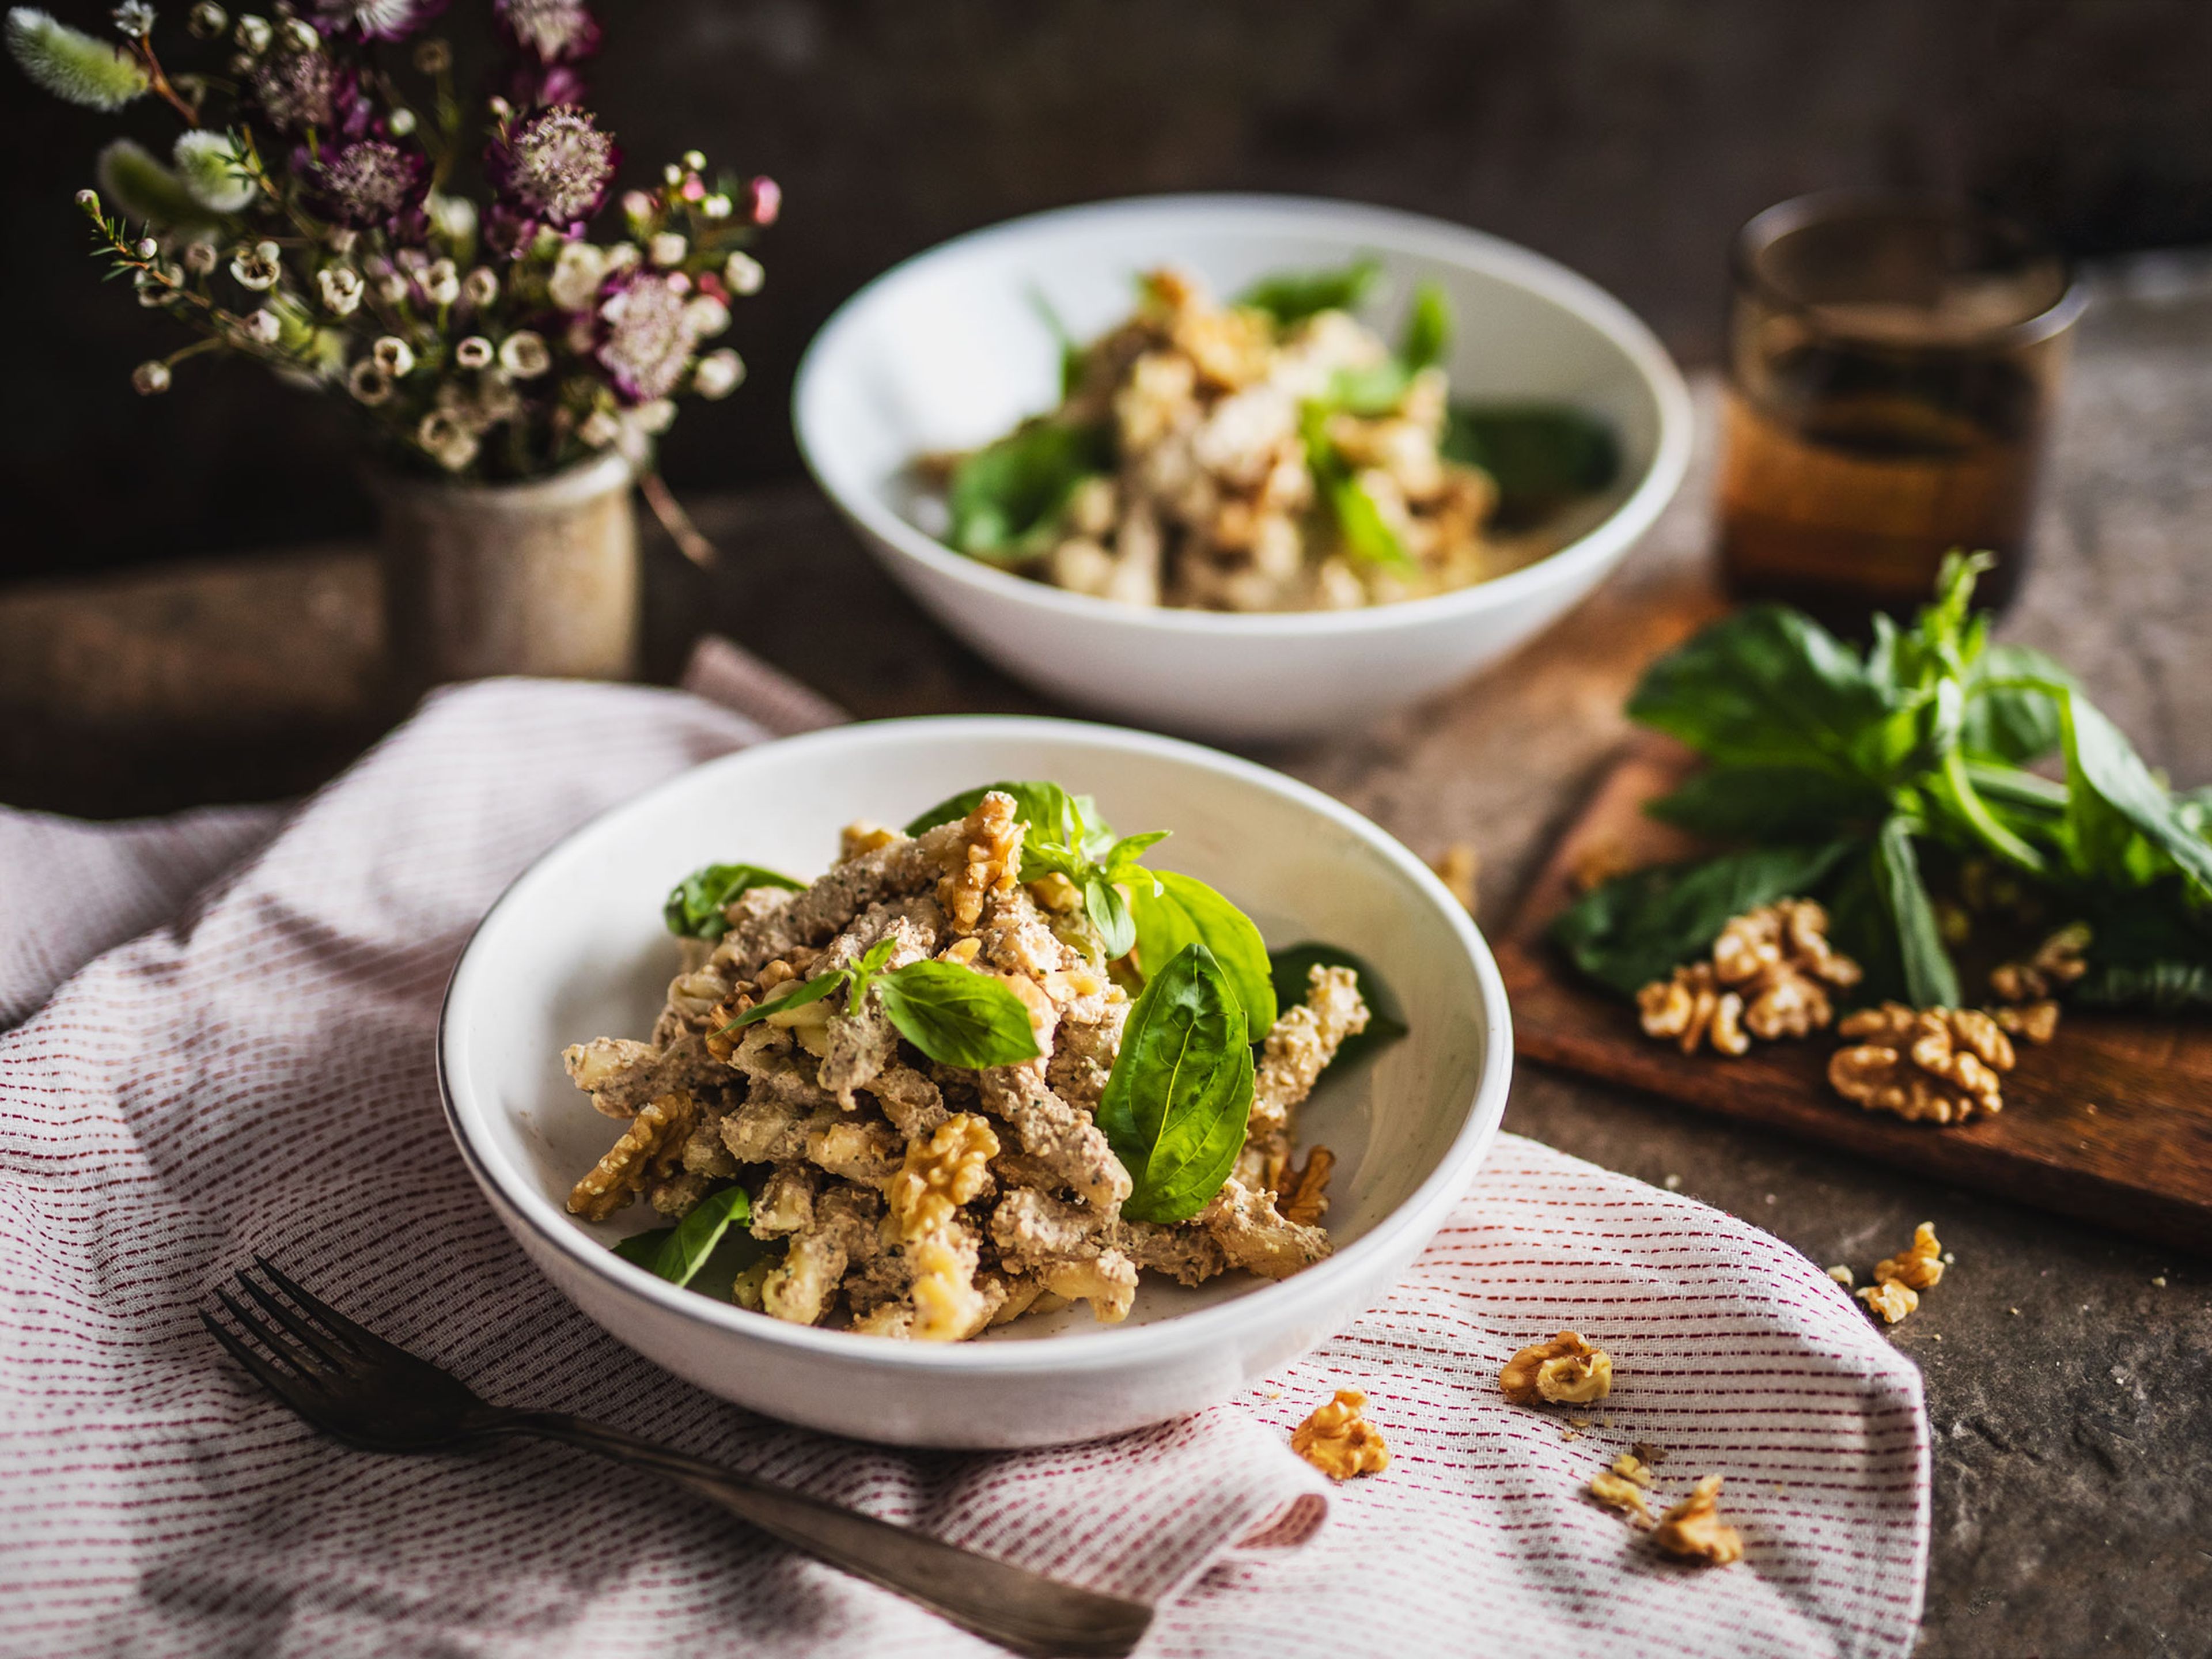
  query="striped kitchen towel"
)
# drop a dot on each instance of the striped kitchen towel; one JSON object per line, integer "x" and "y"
{"x": 256, "y": 1073}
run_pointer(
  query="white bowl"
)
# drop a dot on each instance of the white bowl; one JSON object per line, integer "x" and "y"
{"x": 946, "y": 351}
{"x": 574, "y": 949}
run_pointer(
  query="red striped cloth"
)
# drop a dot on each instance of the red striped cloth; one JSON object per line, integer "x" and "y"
{"x": 256, "y": 1073}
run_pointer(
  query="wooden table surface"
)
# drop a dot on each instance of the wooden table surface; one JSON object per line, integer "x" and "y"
{"x": 2069, "y": 1371}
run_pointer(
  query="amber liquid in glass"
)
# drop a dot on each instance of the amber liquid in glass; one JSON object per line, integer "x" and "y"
{"x": 1845, "y": 479}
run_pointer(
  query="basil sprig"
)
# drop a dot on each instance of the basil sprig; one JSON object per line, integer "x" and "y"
{"x": 957, "y": 1015}
{"x": 1006, "y": 500}
{"x": 677, "y": 1253}
{"x": 695, "y": 904}
{"x": 1844, "y": 771}
{"x": 1176, "y": 1104}
{"x": 1292, "y": 296}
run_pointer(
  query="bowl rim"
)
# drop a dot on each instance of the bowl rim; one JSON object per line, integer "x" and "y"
{"x": 1362, "y": 224}
{"x": 1105, "y": 1350}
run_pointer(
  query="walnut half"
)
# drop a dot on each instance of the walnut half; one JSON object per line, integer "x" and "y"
{"x": 1693, "y": 1529}
{"x": 1565, "y": 1371}
{"x": 1339, "y": 1441}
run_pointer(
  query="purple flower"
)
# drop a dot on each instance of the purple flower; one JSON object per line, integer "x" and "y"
{"x": 369, "y": 182}
{"x": 645, "y": 339}
{"x": 377, "y": 20}
{"x": 551, "y": 31}
{"x": 533, "y": 85}
{"x": 298, "y": 90}
{"x": 552, "y": 168}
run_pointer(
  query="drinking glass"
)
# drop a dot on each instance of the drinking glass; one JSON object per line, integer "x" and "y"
{"x": 1893, "y": 361}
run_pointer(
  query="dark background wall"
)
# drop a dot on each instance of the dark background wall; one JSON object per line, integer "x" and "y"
{"x": 1627, "y": 138}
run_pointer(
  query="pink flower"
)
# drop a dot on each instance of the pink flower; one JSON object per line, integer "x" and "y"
{"x": 764, "y": 200}
{"x": 551, "y": 31}
{"x": 298, "y": 90}
{"x": 645, "y": 334}
{"x": 551, "y": 168}
{"x": 377, "y": 20}
{"x": 369, "y": 183}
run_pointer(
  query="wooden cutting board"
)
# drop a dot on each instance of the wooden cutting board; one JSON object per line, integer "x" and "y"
{"x": 2111, "y": 1122}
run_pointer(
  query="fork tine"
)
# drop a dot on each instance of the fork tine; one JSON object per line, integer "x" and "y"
{"x": 367, "y": 1342}
{"x": 308, "y": 1362}
{"x": 321, "y": 1344}
{"x": 283, "y": 1384}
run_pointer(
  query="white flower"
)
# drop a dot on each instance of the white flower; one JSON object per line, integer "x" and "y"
{"x": 147, "y": 247}
{"x": 621, "y": 257}
{"x": 150, "y": 377}
{"x": 667, "y": 248}
{"x": 370, "y": 382}
{"x": 577, "y": 271}
{"x": 200, "y": 258}
{"x": 480, "y": 287}
{"x": 393, "y": 356}
{"x": 341, "y": 287}
{"x": 211, "y": 170}
{"x": 74, "y": 66}
{"x": 523, "y": 354}
{"x": 152, "y": 290}
{"x": 446, "y": 440}
{"x": 207, "y": 19}
{"x": 672, "y": 174}
{"x": 475, "y": 352}
{"x": 692, "y": 159}
{"x": 342, "y": 239}
{"x": 441, "y": 282}
{"x": 391, "y": 288}
{"x": 706, "y": 316}
{"x": 401, "y": 121}
{"x": 718, "y": 374}
{"x": 743, "y": 273}
{"x": 300, "y": 34}
{"x": 600, "y": 430}
{"x": 253, "y": 33}
{"x": 656, "y": 416}
{"x": 134, "y": 20}
{"x": 717, "y": 206}
{"x": 258, "y": 267}
{"x": 263, "y": 327}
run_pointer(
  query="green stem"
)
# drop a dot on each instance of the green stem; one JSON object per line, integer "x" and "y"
{"x": 1971, "y": 807}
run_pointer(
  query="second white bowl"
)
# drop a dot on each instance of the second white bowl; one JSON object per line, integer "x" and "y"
{"x": 947, "y": 352}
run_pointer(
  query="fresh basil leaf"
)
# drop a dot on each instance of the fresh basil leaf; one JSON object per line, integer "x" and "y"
{"x": 1072, "y": 356}
{"x": 1370, "y": 391}
{"x": 1006, "y": 499}
{"x": 695, "y": 904}
{"x": 1059, "y": 823}
{"x": 644, "y": 1248}
{"x": 1641, "y": 926}
{"x": 2013, "y": 724}
{"x": 2126, "y": 827}
{"x": 1428, "y": 328}
{"x": 695, "y": 1237}
{"x": 1367, "y": 534}
{"x": 1541, "y": 456}
{"x": 1183, "y": 911}
{"x": 1176, "y": 1105}
{"x": 1109, "y": 913}
{"x": 1930, "y": 981}
{"x": 814, "y": 990}
{"x": 1767, "y": 686}
{"x": 1121, "y": 856}
{"x": 865, "y": 972}
{"x": 1292, "y": 296}
{"x": 957, "y": 1016}
{"x": 1289, "y": 969}
{"x": 1769, "y": 803}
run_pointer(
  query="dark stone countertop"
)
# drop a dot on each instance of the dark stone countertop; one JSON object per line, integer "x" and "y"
{"x": 2068, "y": 1371}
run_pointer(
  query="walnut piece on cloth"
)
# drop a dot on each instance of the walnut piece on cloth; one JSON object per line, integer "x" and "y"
{"x": 1565, "y": 1371}
{"x": 1340, "y": 1441}
{"x": 1694, "y": 1531}
{"x": 191, "y": 1092}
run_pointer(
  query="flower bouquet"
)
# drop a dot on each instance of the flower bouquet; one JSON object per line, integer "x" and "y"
{"x": 312, "y": 214}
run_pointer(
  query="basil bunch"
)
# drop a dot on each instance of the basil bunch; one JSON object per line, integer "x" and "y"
{"x": 957, "y": 1015}
{"x": 677, "y": 1253}
{"x": 695, "y": 904}
{"x": 1840, "y": 774}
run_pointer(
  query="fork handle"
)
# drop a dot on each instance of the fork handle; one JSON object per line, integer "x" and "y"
{"x": 1010, "y": 1605}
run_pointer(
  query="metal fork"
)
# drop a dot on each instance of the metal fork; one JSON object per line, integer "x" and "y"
{"x": 350, "y": 1383}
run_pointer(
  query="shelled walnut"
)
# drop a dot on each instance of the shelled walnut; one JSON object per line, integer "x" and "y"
{"x": 1932, "y": 1065}
{"x": 1693, "y": 1529}
{"x": 1565, "y": 1371}
{"x": 1917, "y": 1266}
{"x": 2057, "y": 963}
{"x": 1339, "y": 1441}
{"x": 1768, "y": 978}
